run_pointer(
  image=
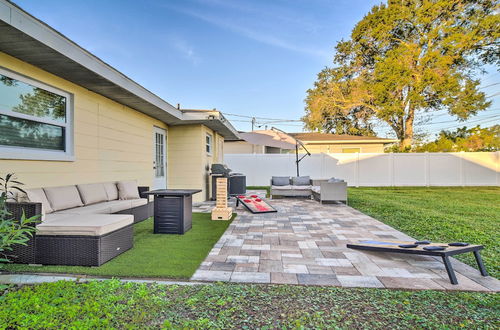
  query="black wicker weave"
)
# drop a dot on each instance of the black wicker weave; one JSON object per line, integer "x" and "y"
{"x": 24, "y": 254}
{"x": 76, "y": 250}
{"x": 83, "y": 250}
{"x": 140, "y": 213}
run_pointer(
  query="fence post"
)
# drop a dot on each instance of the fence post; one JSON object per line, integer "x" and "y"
{"x": 427, "y": 169}
{"x": 461, "y": 167}
{"x": 357, "y": 170}
{"x": 391, "y": 169}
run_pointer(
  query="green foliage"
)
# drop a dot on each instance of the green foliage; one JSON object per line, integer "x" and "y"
{"x": 441, "y": 214}
{"x": 465, "y": 139}
{"x": 153, "y": 255}
{"x": 12, "y": 231}
{"x": 8, "y": 186}
{"x": 111, "y": 304}
{"x": 406, "y": 57}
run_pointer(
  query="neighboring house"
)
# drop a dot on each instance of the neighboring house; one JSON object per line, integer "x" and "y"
{"x": 260, "y": 142}
{"x": 332, "y": 143}
{"x": 67, "y": 117}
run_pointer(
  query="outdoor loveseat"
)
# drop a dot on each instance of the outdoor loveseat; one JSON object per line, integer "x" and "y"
{"x": 324, "y": 191}
{"x": 84, "y": 225}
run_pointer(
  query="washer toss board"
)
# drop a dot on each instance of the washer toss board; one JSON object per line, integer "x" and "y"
{"x": 255, "y": 204}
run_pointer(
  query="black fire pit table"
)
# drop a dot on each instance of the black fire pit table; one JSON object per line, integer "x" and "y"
{"x": 173, "y": 210}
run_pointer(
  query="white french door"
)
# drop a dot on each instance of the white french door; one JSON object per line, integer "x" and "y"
{"x": 159, "y": 158}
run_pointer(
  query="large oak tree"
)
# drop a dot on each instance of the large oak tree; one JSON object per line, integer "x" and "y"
{"x": 405, "y": 57}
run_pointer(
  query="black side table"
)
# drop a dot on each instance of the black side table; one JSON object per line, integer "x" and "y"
{"x": 172, "y": 210}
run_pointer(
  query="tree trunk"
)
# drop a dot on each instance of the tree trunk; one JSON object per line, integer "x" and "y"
{"x": 407, "y": 139}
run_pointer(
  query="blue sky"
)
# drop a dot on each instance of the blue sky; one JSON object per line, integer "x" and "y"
{"x": 244, "y": 57}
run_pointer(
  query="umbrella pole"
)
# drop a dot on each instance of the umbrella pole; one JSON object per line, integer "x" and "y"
{"x": 297, "y": 157}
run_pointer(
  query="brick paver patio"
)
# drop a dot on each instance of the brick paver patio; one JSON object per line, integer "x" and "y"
{"x": 305, "y": 243}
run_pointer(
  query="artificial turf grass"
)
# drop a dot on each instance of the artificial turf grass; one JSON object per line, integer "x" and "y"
{"x": 114, "y": 304}
{"x": 153, "y": 255}
{"x": 440, "y": 214}
{"x": 266, "y": 188}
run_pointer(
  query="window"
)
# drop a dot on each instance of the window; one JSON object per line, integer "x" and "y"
{"x": 350, "y": 150}
{"x": 35, "y": 120}
{"x": 208, "y": 142}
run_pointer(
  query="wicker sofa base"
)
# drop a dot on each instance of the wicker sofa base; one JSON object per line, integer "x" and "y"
{"x": 317, "y": 197}
{"x": 277, "y": 193}
{"x": 83, "y": 250}
{"x": 140, "y": 213}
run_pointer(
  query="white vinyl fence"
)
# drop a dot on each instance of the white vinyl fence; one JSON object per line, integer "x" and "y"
{"x": 375, "y": 169}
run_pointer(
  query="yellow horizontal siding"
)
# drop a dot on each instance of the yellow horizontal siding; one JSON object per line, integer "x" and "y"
{"x": 112, "y": 142}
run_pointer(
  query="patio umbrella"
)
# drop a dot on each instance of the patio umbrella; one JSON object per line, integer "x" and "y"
{"x": 297, "y": 143}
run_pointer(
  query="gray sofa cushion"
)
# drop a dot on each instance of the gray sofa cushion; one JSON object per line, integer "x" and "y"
{"x": 99, "y": 208}
{"x": 111, "y": 190}
{"x": 92, "y": 193}
{"x": 62, "y": 198}
{"x": 106, "y": 207}
{"x": 96, "y": 225}
{"x": 301, "y": 181}
{"x": 287, "y": 187}
{"x": 38, "y": 196}
{"x": 280, "y": 181}
{"x": 308, "y": 187}
{"x": 128, "y": 190}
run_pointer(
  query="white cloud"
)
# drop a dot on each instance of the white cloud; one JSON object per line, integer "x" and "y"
{"x": 184, "y": 49}
{"x": 262, "y": 37}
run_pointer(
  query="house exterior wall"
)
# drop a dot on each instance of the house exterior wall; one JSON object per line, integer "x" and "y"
{"x": 111, "y": 141}
{"x": 316, "y": 148}
{"x": 188, "y": 162}
{"x": 242, "y": 147}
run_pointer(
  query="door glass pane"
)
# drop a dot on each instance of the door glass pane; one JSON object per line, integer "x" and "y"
{"x": 24, "y": 98}
{"x": 31, "y": 134}
{"x": 159, "y": 157}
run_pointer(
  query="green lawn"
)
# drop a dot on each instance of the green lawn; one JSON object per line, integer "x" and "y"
{"x": 112, "y": 304}
{"x": 266, "y": 188}
{"x": 160, "y": 255}
{"x": 441, "y": 214}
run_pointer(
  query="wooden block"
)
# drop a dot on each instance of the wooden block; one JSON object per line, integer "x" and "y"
{"x": 222, "y": 213}
{"x": 221, "y": 194}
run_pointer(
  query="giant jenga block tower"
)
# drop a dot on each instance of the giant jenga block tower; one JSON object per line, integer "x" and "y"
{"x": 221, "y": 211}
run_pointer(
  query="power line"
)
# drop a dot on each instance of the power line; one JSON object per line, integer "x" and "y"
{"x": 481, "y": 121}
{"x": 263, "y": 118}
{"x": 489, "y": 85}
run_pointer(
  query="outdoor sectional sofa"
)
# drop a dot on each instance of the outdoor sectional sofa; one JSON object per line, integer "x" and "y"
{"x": 84, "y": 225}
{"x": 324, "y": 191}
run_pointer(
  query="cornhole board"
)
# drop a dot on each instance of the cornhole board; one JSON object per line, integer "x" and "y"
{"x": 255, "y": 204}
{"x": 393, "y": 246}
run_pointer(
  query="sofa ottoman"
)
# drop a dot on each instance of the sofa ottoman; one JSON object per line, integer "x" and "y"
{"x": 83, "y": 240}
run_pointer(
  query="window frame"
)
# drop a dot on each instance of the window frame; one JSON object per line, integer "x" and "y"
{"x": 209, "y": 144}
{"x": 26, "y": 153}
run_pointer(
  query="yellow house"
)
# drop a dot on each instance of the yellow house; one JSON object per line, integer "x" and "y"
{"x": 275, "y": 141}
{"x": 66, "y": 117}
{"x": 333, "y": 143}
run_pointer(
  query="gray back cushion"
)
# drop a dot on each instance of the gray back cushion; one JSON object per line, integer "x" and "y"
{"x": 128, "y": 189}
{"x": 111, "y": 190}
{"x": 38, "y": 196}
{"x": 332, "y": 180}
{"x": 280, "y": 181}
{"x": 92, "y": 193}
{"x": 301, "y": 181}
{"x": 62, "y": 198}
